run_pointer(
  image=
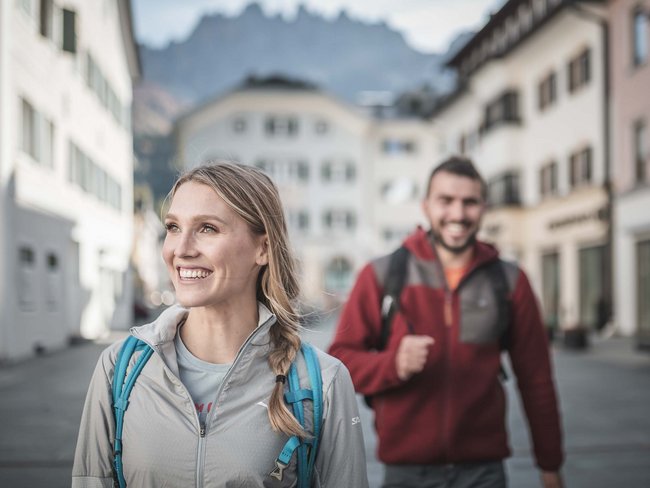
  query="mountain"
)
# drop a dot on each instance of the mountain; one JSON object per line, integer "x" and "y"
{"x": 344, "y": 56}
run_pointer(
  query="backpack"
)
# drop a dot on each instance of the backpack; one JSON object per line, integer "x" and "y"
{"x": 306, "y": 449}
{"x": 394, "y": 283}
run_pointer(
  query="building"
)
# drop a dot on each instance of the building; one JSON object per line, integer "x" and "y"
{"x": 66, "y": 171}
{"x": 630, "y": 123}
{"x": 530, "y": 110}
{"x": 346, "y": 176}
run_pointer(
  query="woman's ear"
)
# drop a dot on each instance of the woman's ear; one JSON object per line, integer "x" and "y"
{"x": 262, "y": 257}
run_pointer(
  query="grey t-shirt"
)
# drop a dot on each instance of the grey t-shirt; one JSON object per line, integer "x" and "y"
{"x": 202, "y": 379}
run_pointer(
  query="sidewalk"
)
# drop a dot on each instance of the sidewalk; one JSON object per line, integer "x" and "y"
{"x": 604, "y": 392}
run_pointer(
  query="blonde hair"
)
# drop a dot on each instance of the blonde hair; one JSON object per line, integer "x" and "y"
{"x": 254, "y": 197}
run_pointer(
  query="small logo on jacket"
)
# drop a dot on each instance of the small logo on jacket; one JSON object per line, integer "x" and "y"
{"x": 355, "y": 420}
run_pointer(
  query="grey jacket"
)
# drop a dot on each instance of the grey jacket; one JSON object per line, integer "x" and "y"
{"x": 162, "y": 445}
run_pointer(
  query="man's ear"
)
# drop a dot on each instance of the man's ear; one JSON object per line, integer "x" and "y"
{"x": 262, "y": 257}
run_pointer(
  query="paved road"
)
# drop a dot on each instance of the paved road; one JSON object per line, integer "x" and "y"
{"x": 605, "y": 400}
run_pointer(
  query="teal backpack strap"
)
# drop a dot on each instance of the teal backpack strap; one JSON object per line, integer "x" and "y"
{"x": 306, "y": 449}
{"x": 121, "y": 390}
{"x": 316, "y": 382}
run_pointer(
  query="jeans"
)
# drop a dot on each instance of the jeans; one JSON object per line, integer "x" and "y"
{"x": 464, "y": 475}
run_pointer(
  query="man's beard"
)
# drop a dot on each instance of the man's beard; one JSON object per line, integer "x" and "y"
{"x": 437, "y": 239}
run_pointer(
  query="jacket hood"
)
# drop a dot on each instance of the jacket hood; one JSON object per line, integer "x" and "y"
{"x": 420, "y": 245}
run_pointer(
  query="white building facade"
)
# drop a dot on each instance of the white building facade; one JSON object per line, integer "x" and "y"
{"x": 630, "y": 82}
{"x": 346, "y": 179}
{"x": 66, "y": 171}
{"x": 530, "y": 112}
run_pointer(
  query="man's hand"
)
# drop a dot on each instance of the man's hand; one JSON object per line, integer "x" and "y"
{"x": 552, "y": 479}
{"x": 412, "y": 355}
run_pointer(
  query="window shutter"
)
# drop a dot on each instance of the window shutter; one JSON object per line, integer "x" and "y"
{"x": 69, "y": 31}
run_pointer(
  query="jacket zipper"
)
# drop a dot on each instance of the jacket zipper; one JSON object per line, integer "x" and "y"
{"x": 446, "y": 372}
{"x": 202, "y": 426}
{"x": 203, "y": 430}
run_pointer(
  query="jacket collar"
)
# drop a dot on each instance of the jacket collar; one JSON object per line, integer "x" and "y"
{"x": 161, "y": 332}
{"x": 420, "y": 245}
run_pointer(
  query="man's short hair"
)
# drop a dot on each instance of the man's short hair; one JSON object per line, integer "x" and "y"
{"x": 460, "y": 166}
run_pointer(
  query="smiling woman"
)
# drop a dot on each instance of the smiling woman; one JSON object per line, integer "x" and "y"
{"x": 227, "y": 347}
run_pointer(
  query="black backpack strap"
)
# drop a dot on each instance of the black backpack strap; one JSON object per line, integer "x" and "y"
{"x": 393, "y": 284}
{"x": 501, "y": 289}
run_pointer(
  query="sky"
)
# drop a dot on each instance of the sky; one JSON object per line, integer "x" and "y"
{"x": 427, "y": 25}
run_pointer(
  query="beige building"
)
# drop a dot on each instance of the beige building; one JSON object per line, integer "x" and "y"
{"x": 66, "y": 171}
{"x": 530, "y": 111}
{"x": 349, "y": 180}
{"x": 630, "y": 122}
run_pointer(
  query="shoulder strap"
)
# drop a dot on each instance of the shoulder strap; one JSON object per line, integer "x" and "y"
{"x": 501, "y": 289}
{"x": 497, "y": 276}
{"x": 121, "y": 389}
{"x": 306, "y": 449}
{"x": 393, "y": 284}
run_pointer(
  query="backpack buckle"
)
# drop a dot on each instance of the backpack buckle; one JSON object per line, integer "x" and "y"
{"x": 278, "y": 472}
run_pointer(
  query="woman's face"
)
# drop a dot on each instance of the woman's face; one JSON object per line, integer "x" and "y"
{"x": 212, "y": 256}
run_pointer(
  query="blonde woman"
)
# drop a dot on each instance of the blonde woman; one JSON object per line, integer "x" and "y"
{"x": 208, "y": 407}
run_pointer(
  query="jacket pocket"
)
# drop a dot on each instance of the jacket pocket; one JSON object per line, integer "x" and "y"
{"x": 479, "y": 314}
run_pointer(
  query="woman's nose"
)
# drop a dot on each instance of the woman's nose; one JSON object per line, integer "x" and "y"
{"x": 185, "y": 245}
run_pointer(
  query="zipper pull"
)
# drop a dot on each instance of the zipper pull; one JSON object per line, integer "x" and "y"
{"x": 202, "y": 432}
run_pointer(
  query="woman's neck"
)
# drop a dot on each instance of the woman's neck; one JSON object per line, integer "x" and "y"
{"x": 216, "y": 334}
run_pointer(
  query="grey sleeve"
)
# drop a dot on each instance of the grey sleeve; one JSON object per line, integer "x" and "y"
{"x": 341, "y": 459}
{"x": 93, "y": 456}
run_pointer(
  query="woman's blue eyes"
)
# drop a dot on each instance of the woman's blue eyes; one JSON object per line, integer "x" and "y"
{"x": 208, "y": 228}
{"x": 205, "y": 228}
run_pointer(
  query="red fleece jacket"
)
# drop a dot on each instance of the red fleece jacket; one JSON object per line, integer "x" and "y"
{"x": 454, "y": 410}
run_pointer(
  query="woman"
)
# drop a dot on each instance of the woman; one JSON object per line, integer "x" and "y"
{"x": 208, "y": 408}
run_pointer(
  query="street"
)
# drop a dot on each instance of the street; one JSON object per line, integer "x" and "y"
{"x": 604, "y": 394}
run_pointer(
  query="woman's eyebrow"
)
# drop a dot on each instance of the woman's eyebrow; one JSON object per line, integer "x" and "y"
{"x": 199, "y": 217}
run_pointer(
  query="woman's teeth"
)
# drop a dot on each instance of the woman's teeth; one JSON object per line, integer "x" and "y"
{"x": 194, "y": 273}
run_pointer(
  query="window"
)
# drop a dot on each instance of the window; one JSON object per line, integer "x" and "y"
{"x": 551, "y": 290}
{"x": 338, "y": 275}
{"x": 580, "y": 167}
{"x": 47, "y": 19}
{"x": 239, "y": 125}
{"x": 338, "y": 172}
{"x": 284, "y": 171}
{"x": 504, "y": 190}
{"x": 26, "y": 278}
{"x": 639, "y": 37}
{"x": 502, "y": 110}
{"x": 400, "y": 190}
{"x": 69, "y": 31}
{"x": 299, "y": 219}
{"x": 641, "y": 151}
{"x": 92, "y": 179}
{"x": 548, "y": 179}
{"x": 579, "y": 70}
{"x": 281, "y": 126}
{"x": 98, "y": 83}
{"x": 52, "y": 282}
{"x": 643, "y": 286}
{"x": 321, "y": 127}
{"x": 592, "y": 297}
{"x": 339, "y": 219}
{"x": 397, "y": 147}
{"x": 48, "y": 143}
{"x": 30, "y": 143}
{"x": 547, "y": 91}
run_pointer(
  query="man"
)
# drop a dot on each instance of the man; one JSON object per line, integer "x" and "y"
{"x": 439, "y": 405}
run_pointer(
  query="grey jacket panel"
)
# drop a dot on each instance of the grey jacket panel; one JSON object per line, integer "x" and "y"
{"x": 161, "y": 435}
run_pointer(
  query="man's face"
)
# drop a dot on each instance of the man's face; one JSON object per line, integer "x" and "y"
{"x": 454, "y": 207}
